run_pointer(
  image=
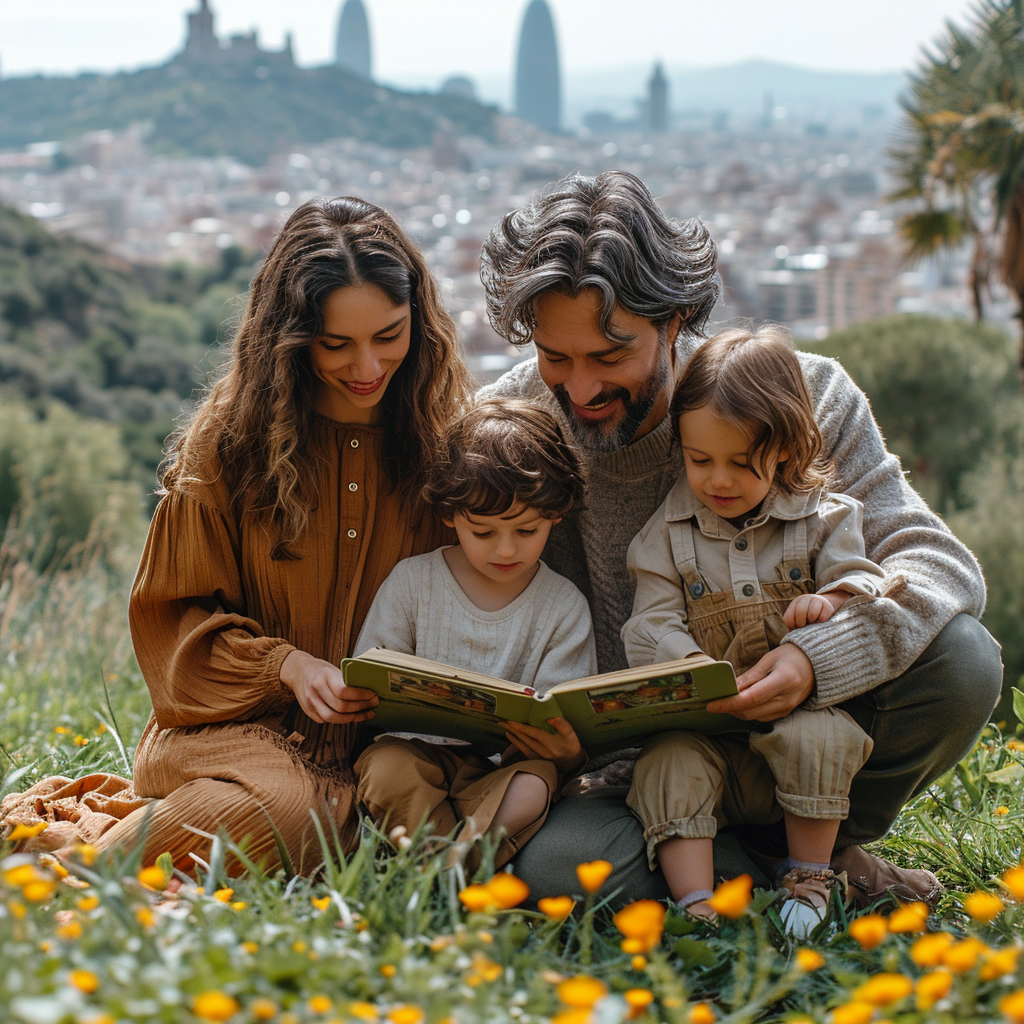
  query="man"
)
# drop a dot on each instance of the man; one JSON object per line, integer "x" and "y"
{"x": 615, "y": 297}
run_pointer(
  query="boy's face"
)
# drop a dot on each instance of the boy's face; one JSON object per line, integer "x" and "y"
{"x": 503, "y": 549}
{"x": 717, "y": 466}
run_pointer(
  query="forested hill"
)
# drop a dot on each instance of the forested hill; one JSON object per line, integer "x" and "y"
{"x": 245, "y": 109}
{"x": 112, "y": 341}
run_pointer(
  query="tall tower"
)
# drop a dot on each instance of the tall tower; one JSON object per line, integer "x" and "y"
{"x": 657, "y": 99}
{"x": 538, "y": 81}
{"x": 202, "y": 43}
{"x": 352, "y": 47}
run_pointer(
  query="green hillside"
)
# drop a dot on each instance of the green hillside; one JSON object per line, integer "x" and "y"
{"x": 244, "y": 109}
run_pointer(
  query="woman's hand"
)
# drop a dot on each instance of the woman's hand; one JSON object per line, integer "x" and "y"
{"x": 562, "y": 747}
{"x": 781, "y": 681}
{"x": 320, "y": 689}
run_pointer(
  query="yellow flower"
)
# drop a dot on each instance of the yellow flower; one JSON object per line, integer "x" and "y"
{"x": 20, "y": 831}
{"x": 299, "y": 947}
{"x": 641, "y": 923}
{"x": 215, "y": 1006}
{"x": 593, "y": 874}
{"x": 224, "y": 895}
{"x": 405, "y": 1014}
{"x": 911, "y": 917}
{"x": 21, "y": 875}
{"x": 869, "y": 930}
{"x": 439, "y": 943}
{"x": 153, "y": 878}
{"x": 87, "y": 903}
{"x": 1011, "y": 1006}
{"x": 928, "y": 950}
{"x": 883, "y": 989}
{"x": 319, "y": 1004}
{"x": 239, "y": 905}
{"x": 39, "y": 890}
{"x": 579, "y": 1015}
{"x": 86, "y": 853}
{"x": 363, "y": 1011}
{"x": 556, "y": 907}
{"x": 809, "y": 959}
{"x": 486, "y": 968}
{"x": 145, "y": 917}
{"x": 80, "y": 741}
{"x": 997, "y": 963}
{"x": 84, "y": 981}
{"x": 732, "y": 897}
{"x": 581, "y": 992}
{"x": 638, "y": 963}
{"x": 476, "y": 897}
{"x": 251, "y": 947}
{"x": 964, "y": 955}
{"x": 322, "y": 902}
{"x": 388, "y": 970}
{"x": 637, "y": 999}
{"x": 983, "y": 906}
{"x": 1002, "y": 811}
{"x": 507, "y": 891}
{"x": 52, "y": 864}
{"x": 701, "y": 1013}
{"x": 853, "y": 1013}
{"x": 70, "y": 931}
{"x": 263, "y": 1009}
{"x": 18, "y": 910}
{"x": 1013, "y": 879}
{"x": 932, "y": 987}
{"x": 60, "y": 730}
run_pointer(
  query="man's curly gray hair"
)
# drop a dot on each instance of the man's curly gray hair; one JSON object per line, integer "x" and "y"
{"x": 608, "y": 233}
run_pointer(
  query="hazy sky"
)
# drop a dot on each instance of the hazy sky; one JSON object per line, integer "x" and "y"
{"x": 424, "y": 41}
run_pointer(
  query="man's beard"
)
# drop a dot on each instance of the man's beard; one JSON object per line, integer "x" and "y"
{"x": 602, "y": 436}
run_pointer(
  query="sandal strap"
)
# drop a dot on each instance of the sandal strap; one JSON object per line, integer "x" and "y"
{"x": 694, "y": 897}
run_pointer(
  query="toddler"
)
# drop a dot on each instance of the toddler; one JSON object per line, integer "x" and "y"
{"x": 506, "y": 477}
{"x": 746, "y": 547}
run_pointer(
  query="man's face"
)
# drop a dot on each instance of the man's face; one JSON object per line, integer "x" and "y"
{"x": 611, "y": 393}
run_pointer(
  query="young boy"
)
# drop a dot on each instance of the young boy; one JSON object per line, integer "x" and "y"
{"x": 506, "y": 477}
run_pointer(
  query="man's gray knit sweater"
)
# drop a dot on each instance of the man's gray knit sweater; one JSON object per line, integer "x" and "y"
{"x": 931, "y": 576}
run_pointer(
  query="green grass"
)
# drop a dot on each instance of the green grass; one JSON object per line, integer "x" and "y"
{"x": 383, "y": 934}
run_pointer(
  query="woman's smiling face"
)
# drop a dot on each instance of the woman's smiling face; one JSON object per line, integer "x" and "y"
{"x": 365, "y": 337}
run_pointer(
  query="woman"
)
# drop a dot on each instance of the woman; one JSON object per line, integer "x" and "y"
{"x": 288, "y": 499}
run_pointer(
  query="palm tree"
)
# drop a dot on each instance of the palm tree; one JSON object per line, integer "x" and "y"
{"x": 960, "y": 153}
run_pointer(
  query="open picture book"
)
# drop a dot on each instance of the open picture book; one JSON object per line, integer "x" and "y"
{"x": 609, "y": 711}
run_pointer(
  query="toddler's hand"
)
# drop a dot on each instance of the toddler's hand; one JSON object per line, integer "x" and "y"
{"x": 814, "y": 608}
{"x": 561, "y": 747}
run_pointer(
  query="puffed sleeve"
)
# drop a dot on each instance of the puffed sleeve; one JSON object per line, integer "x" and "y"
{"x": 203, "y": 658}
{"x": 657, "y": 631}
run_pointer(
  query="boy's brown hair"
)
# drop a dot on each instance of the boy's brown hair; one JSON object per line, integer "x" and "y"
{"x": 752, "y": 379}
{"x": 503, "y": 452}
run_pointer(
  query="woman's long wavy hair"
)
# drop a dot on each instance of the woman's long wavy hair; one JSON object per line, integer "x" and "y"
{"x": 257, "y": 418}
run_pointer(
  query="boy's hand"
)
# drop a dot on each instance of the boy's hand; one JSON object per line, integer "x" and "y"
{"x": 562, "y": 747}
{"x": 814, "y": 608}
{"x": 320, "y": 689}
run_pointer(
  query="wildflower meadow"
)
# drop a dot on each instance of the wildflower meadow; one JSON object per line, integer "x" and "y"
{"x": 388, "y": 934}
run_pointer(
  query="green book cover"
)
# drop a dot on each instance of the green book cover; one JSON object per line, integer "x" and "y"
{"x": 609, "y": 711}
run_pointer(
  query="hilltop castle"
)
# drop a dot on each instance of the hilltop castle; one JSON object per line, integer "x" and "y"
{"x": 204, "y": 49}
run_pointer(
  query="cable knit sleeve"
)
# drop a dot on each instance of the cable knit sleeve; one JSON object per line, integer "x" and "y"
{"x": 931, "y": 576}
{"x": 203, "y": 658}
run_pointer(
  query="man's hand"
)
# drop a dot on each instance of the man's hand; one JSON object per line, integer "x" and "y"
{"x": 320, "y": 689}
{"x": 561, "y": 747}
{"x": 781, "y": 681}
{"x": 814, "y": 608}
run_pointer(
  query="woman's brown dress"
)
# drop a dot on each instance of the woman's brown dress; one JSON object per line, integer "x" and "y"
{"x": 212, "y": 618}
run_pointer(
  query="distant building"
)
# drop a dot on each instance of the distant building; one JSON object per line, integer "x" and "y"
{"x": 204, "y": 49}
{"x": 352, "y": 46}
{"x": 538, "y": 80}
{"x": 460, "y": 86}
{"x": 657, "y": 100}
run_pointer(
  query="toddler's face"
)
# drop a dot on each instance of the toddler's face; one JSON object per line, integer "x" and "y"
{"x": 503, "y": 548}
{"x": 717, "y": 466}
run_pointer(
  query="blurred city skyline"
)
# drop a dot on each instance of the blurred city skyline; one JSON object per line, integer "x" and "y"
{"x": 53, "y": 37}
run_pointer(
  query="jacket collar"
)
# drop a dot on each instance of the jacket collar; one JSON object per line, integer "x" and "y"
{"x": 682, "y": 504}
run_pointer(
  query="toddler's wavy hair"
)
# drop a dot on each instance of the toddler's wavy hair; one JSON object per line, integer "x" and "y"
{"x": 504, "y": 452}
{"x": 752, "y": 379}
